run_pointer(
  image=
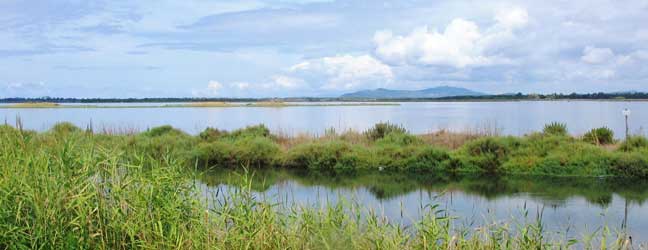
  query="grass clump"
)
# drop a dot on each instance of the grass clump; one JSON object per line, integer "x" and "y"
{"x": 211, "y": 134}
{"x": 64, "y": 128}
{"x": 259, "y": 152}
{"x": 488, "y": 154}
{"x": 162, "y": 130}
{"x": 633, "y": 164}
{"x": 633, "y": 143}
{"x": 334, "y": 156}
{"x": 555, "y": 128}
{"x": 599, "y": 136}
{"x": 382, "y": 129}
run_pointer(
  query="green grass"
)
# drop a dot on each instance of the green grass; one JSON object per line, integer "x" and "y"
{"x": 71, "y": 189}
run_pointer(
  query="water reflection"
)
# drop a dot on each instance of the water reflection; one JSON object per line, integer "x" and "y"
{"x": 578, "y": 204}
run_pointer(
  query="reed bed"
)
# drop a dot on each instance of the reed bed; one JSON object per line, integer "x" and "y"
{"x": 70, "y": 189}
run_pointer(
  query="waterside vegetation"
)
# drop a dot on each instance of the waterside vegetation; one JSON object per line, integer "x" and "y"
{"x": 385, "y": 147}
{"x": 71, "y": 188}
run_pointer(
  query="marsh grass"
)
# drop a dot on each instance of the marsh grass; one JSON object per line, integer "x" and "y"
{"x": 68, "y": 189}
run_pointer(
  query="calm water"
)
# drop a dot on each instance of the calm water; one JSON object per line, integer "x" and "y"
{"x": 572, "y": 205}
{"x": 569, "y": 206}
{"x": 515, "y": 118}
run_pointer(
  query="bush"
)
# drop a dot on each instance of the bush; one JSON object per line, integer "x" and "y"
{"x": 413, "y": 157}
{"x": 245, "y": 152}
{"x": 380, "y": 130}
{"x": 64, "y": 128}
{"x": 211, "y": 134}
{"x": 489, "y": 153}
{"x": 555, "y": 128}
{"x": 634, "y": 164}
{"x": 252, "y": 131}
{"x": 634, "y": 143}
{"x": 159, "y": 145}
{"x": 599, "y": 136}
{"x": 162, "y": 130}
{"x": 399, "y": 139}
{"x": 336, "y": 156}
{"x": 575, "y": 159}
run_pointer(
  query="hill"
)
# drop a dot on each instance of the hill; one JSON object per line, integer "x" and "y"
{"x": 443, "y": 91}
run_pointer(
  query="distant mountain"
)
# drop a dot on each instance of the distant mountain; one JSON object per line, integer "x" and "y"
{"x": 443, "y": 91}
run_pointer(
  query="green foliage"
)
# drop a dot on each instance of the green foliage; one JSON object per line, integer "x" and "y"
{"x": 163, "y": 130}
{"x": 399, "y": 139}
{"x": 251, "y": 131}
{"x": 248, "y": 151}
{"x": 380, "y": 130}
{"x": 420, "y": 158}
{"x": 135, "y": 192}
{"x": 212, "y": 134}
{"x": 336, "y": 156}
{"x": 634, "y": 143}
{"x": 64, "y": 128}
{"x": 633, "y": 164}
{"x": 602, "y": 136}
{"x": 488, "y": 154}
{"x": 555, "y": 128}
{"x": 575, "y": 159}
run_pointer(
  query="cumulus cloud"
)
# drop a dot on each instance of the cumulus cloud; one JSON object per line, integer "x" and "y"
{"x": 512, "y": 18}
{"x": 344, "y": 71}
{"x": 594, "y": 55}
{"x": 214, "y": 87}
{"x": 288, "y": 82}
{"x": 460, "y": 44}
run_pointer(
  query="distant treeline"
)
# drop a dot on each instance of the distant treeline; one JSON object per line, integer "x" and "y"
{"x": 503, "y": 97}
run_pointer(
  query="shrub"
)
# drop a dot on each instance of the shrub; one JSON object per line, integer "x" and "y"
{"x": 489, "y": 153}
{"x": 634, "y": 164}
{"x": 162, "y": 130}
{"x": 399, "y": 139}
{"x": 575, "y": 159}
{"x": 171, "y": 144}
{"x": 245, "y": 152}
{"x": 64, "y": 128}
{"x": 413, "y": 157}
{"x": 380, "y": 130}
{"x": 211, "y": 134}
{"x": 555, "y": 128}
{"x": 599, "y": 136}
{"x": 252, "y": 131}
{"x": 336, "y": 156}
{"x": 634, "y": 143}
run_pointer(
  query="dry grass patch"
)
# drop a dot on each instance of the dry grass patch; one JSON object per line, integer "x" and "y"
{"x": 34, "y": 105}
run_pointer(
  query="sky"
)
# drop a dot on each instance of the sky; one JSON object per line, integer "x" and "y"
{"x": 293, "y": 48}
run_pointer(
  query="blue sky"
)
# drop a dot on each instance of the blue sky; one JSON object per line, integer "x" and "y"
{"x": 280, "y": 48}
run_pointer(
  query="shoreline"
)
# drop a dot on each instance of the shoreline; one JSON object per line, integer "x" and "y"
{"x": 384, "y": 147}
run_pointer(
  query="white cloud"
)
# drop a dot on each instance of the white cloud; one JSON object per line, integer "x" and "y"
{"x": 593, "y": 55}
{"x": 345, "y": 71}
{"x": 461, "y": 44}
{"x": 240, "y": 85}
{"x": 513, "y": 18}
{"x": 214, "y": 87}
{"x": 287, "y": 81}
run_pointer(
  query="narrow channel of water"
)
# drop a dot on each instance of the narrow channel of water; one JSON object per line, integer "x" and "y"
{"x": 569, "y": 206}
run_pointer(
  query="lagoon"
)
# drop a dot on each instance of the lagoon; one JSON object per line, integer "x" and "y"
{"x": 510, "y": 118}
{"x": 570, "y": 207}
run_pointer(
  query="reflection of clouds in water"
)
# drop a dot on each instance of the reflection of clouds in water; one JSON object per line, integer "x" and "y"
{"x": 512, "y": 117}
{"x": 574, "y": 215}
